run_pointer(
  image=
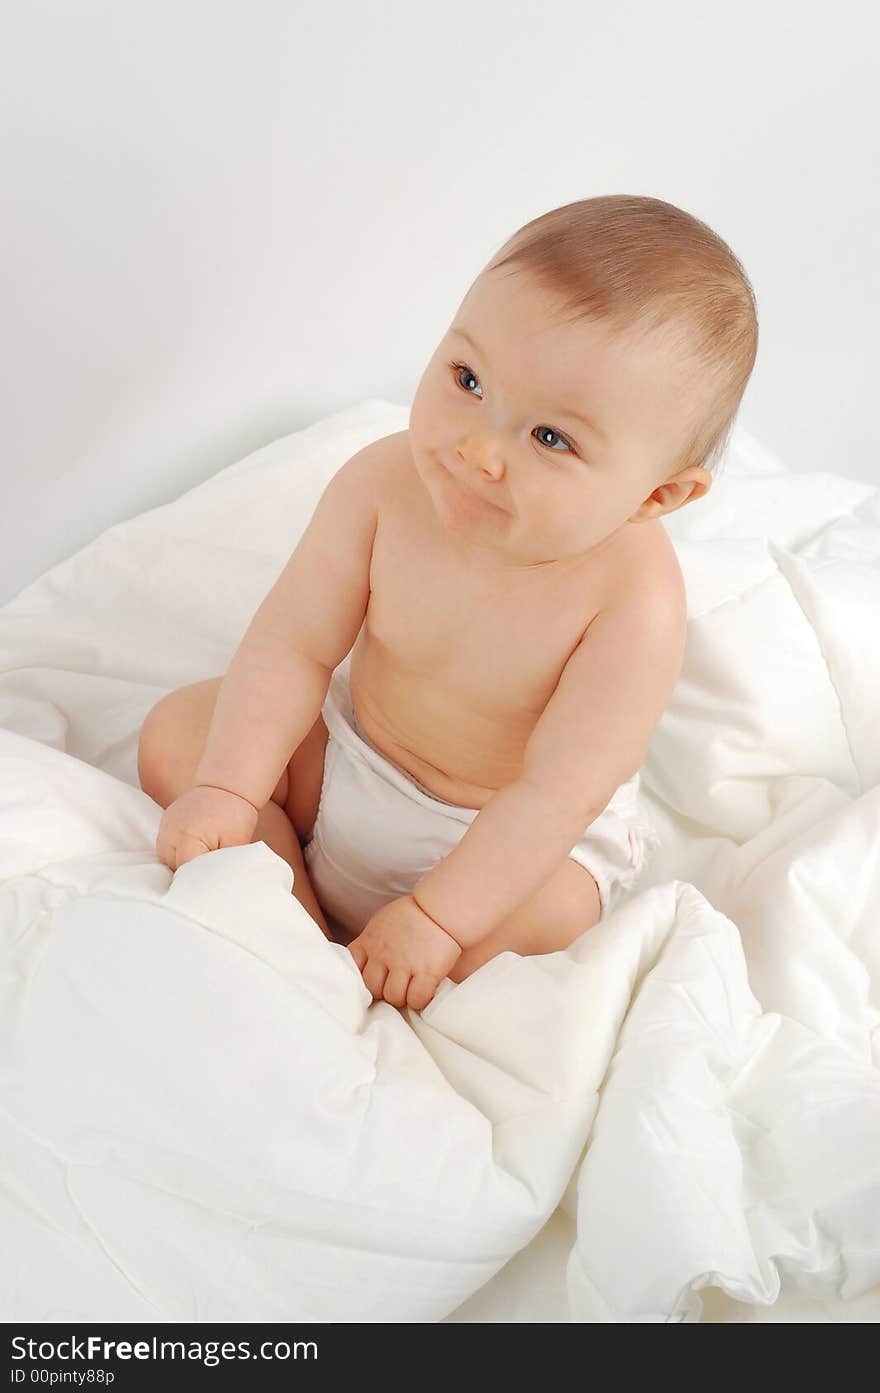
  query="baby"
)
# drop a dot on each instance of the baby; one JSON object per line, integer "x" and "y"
{"x": 481, "y": 626}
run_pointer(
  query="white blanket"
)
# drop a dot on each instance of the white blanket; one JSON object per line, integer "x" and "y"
{"x": 204, "y": 1116}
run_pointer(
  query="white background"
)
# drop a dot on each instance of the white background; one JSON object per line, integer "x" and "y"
{"x": 223, "y": 221}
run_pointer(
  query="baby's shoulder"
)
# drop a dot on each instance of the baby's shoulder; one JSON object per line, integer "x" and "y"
{"x": 648, "y": 577}
{"x": 379, "y": 460}
{"x": 389, "y": 463}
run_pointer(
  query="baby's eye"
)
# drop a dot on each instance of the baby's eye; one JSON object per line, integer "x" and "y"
{"x": 462, "y": 370}
{"x": 548, "y": 430}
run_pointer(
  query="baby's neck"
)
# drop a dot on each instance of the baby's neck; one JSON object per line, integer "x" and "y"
{"x": 492, "y": 562}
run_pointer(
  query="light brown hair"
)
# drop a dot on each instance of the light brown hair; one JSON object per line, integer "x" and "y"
{"x": 640, "y": 264}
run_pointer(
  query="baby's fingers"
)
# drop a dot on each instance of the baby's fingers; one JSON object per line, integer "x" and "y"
{"x": 358, "y": 952}
{"x": 374, "y": 975}
{"x": 187, "y": 848}
{"x": 395, "y": 987}
{"x": 421, "y": 990}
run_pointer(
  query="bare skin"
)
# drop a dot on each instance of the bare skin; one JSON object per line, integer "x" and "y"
{"x": 505, "y": 528}
{"x": 454, "y": 702}
{"x": 511, "y": 544}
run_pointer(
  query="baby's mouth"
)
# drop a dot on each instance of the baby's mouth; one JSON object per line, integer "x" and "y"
{"x": 478, "y": 498}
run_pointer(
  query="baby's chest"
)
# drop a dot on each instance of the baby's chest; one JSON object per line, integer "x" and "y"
{"x": 469, "y": 636}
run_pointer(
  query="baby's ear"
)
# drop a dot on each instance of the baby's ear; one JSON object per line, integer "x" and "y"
{"x": 698, "y": 482}
{"x": 689, "y": 485}
{"x": 685, "y": 487}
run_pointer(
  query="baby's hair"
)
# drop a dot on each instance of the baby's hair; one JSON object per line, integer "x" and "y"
{"x": 638, "y": 263}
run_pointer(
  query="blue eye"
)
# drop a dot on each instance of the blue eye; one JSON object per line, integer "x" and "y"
{"x": 548, "y": 430}
{"x": 462, "y": 368}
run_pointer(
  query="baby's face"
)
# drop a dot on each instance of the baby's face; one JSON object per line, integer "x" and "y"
{"x": 538, "y": 441}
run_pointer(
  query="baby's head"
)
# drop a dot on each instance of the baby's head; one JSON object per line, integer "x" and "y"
{"x": 589, "y": 380}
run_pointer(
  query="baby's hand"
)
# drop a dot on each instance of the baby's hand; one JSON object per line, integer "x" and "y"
{"x": 403, "y": 955}
{"x": 203, "y": 819}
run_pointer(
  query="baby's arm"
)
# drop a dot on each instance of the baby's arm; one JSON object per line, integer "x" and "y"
{"x": 592, "y": 736}
{"x": 276, "y": 683}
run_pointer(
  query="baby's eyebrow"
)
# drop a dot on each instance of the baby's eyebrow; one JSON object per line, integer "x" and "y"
{"x": 562, "y": 410}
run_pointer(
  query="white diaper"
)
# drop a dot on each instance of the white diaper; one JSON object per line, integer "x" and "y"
{"x": 378, "y": 830}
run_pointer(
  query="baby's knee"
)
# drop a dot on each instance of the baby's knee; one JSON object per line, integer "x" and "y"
{"x": 172, "y": 740}
{"x": 153, "y": 751}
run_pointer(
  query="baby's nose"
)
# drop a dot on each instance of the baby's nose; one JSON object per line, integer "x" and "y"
{"x": 486, "y": 454}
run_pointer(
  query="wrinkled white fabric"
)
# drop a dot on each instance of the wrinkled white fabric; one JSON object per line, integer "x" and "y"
{"x": 204, "y": 1116}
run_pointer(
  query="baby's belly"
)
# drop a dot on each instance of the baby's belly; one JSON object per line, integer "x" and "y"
{"x": 458, "y": 755}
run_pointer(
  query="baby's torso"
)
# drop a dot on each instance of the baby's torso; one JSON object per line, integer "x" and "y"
{"x": 451, "y": 670}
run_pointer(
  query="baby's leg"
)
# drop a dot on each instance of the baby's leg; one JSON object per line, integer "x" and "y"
{"x": 553, "y": 917}
{"x": 169, "y": 749}
{"x": 275, "y": 828}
